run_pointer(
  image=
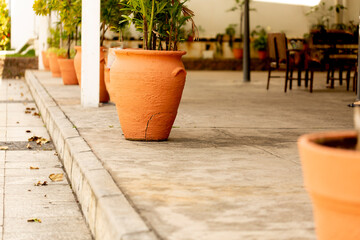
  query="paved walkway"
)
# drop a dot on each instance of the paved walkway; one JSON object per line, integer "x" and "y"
{"x": 22, "y": 204}
{"x": 230, "y": 169}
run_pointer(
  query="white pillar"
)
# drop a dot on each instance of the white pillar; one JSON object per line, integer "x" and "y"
{"x": 43, "y": 32}
{"x": 90, "y": 48}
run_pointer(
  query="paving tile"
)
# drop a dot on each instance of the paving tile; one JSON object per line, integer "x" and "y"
{"x": 54, "y": 204}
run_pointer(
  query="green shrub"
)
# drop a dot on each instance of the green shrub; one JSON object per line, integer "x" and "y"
{"x": 4, "y": 26}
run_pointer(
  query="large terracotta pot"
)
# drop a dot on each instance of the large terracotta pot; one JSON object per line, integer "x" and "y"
{"x": 147, "y": 88}
{"x": 68, "y": 71}
{"x": 45, "y": 60}
{"x": 104, "y": 96}
{"x": 332, "y": 178}
{"x": 54, "y": 65}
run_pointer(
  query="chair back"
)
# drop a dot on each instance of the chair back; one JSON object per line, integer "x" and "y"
{"x": 277, "y": 45}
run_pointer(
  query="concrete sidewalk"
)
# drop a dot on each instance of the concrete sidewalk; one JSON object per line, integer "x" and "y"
{"x": 230, "y": 169}
{"x": 24, "y": 167}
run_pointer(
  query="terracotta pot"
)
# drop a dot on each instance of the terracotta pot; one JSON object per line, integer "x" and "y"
{"x": 332, "y": 178}
{"x": 68, "y": 71}
{"x": 45, "y": 60}
{"x": 107, "y": 82}
{"x": 147, "y": 88}
{"x": 104, "y": 96}
{"x": 262, "y": 55}
{"x": 54, "y": 65}
{"x": 238, "y": 53}
{"x": 77, "y": 63}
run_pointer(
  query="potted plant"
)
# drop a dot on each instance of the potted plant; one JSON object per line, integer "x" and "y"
{"x": 239, "y": 6}
{"x": 44, "y": 8}
{"x": 110, "y": 17}
{"x": 70, "y": 17}
{"x": 148, "y": 83}
{"x": 260, "y": 41}
{"x": 234, "y": 46}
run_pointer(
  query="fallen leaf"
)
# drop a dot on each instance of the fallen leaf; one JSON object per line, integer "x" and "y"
{"x": 28, "y": 108}
{"x": 22, "y": 94}
{"x": 39, "y": 183}
{"x": 56, "y": 177}
{"x": 36, "y": 114}
{"x": 29, "y": 190}
{"x": 111, "y": 126}
{"x": 4, "y": 147}
{"x": 28, "y": 146}
{"x": 28, "y": 131}
{"x": 32, "y": 108}
{"x": 38, "y": 140}
{"x": 34, "y": 168}
{"x": 56, "y": 154}
{"x": 17, "y": 122}
{"x": 34, "y": 220}
{"x": 27, "y": 112}
{"x": 45, "y": 195}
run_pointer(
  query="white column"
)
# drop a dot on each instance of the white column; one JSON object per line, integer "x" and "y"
{"x": 43, "y": 31}
{"x": 90, "y": 48}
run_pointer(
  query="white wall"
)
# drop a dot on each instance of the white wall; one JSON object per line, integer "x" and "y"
{"x": 22, "y": 22}
{"x": 212, "y": 15}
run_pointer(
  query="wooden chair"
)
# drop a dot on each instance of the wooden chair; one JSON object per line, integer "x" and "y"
{"x": 281, "y": 58}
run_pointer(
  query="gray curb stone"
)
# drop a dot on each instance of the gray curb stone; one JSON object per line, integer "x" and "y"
{"x": 108, "y": 213}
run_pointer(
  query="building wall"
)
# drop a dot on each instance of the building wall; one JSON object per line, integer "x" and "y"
{"x": 212, "y": 15}
{"x": 22, "y": 22}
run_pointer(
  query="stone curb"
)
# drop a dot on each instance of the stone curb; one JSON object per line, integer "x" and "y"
{"x": 108, "y": 213}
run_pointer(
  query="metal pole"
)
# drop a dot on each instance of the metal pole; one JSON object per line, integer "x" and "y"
{"x": 246, "y": 57}
{"x": 358, "y": 66}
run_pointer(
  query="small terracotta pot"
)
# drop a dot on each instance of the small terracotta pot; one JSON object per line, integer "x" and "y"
{"x": 54, "y": 65}
{"x": 104, "y": 96}
{"x": 332, "y": 178}
{"x": 262, "y": 55}
{"x": 238, "y": 53}
{"x": 147, "y": 87}
{"x": 45, "y": 60}
{"x": 68, "y": 71}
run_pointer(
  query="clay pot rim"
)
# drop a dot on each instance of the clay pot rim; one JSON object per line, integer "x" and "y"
{"x": 136, "y": 51}
{"x": 308, "y": 141}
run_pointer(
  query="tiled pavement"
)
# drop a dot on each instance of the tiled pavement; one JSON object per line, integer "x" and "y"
{"x": 54, "y": 204}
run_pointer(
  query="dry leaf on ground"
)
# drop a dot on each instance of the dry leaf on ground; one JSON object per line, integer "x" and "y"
{"x": 34, "y": 220}
{"x": 28, "y": 146}
{"x": 27, "y": 112}
{"x": 28, "y": 131}
{"x": 36, "y": 114}
{"x": 39, "y": 183}
{"x": 33, "y": 168}
{"x": 38, "y": 140}
{"x": 4, "y": 148}
{"x": 56, "y": 177}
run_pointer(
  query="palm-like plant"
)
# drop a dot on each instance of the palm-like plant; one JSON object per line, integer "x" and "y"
{"x": 160, "y": 21}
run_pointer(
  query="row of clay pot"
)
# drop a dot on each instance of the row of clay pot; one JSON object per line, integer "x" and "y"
{"x": 70, "y": 70}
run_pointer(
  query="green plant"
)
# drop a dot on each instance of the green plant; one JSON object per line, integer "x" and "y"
{"x": 63, "y": 52}
{"x": 240, "y": 6}
{"x": 54, "y": 39}
{"x": 112, "y": 18}
{"x": 260, "y": 38}
{"x": 70, "y": 17}
{"x": 4, "y": 26}
{"x": 323, "y": 15}
{"x": 230, "y": 31}
{"x": 160, "y": 21}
